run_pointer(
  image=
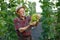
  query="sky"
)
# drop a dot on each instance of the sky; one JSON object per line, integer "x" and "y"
{"x": 38, "y": 8}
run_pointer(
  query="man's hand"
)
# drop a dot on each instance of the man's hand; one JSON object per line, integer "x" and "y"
{"x": 33, "y": 23}
{"x": 24, "y": 28}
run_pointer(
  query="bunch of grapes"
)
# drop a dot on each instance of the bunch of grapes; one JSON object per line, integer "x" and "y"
{"x": 35, "y": 17}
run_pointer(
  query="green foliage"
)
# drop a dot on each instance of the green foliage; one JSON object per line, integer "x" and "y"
{"x": 7, "y": 30}
{"x": 58, "y": 21}
{"x": 32, "y": 8}
{"x": 48, "y": 22}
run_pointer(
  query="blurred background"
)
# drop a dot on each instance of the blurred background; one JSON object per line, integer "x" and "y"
{"x": 48, "y": 27}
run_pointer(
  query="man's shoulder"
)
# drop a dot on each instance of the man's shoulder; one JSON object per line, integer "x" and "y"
{"x": 28, "y": 17}
{"x": 15, "y": 19}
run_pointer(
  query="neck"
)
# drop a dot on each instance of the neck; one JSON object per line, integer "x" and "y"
{"x": 22, "y": 17}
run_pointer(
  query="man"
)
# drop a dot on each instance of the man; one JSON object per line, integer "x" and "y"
{"x": 23, "y": 25}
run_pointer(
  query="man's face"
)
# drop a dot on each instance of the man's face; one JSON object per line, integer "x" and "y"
{"x": 21, "y": 11}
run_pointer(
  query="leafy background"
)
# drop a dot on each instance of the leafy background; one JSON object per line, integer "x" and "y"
{"x": 50, "y": 20}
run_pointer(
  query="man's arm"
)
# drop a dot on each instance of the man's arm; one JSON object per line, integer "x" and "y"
{"x": 24, "y": 28}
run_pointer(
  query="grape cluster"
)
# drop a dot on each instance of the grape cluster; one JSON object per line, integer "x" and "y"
{"x": 35, "y": 17}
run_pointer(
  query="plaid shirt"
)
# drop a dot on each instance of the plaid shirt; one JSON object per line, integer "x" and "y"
{"x": 19, "y": 23}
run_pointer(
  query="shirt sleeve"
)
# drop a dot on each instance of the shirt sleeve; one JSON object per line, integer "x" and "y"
{"x": 16, "y": 24}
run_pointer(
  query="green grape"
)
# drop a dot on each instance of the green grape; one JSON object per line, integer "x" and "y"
{"x": 34, "y": 17}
